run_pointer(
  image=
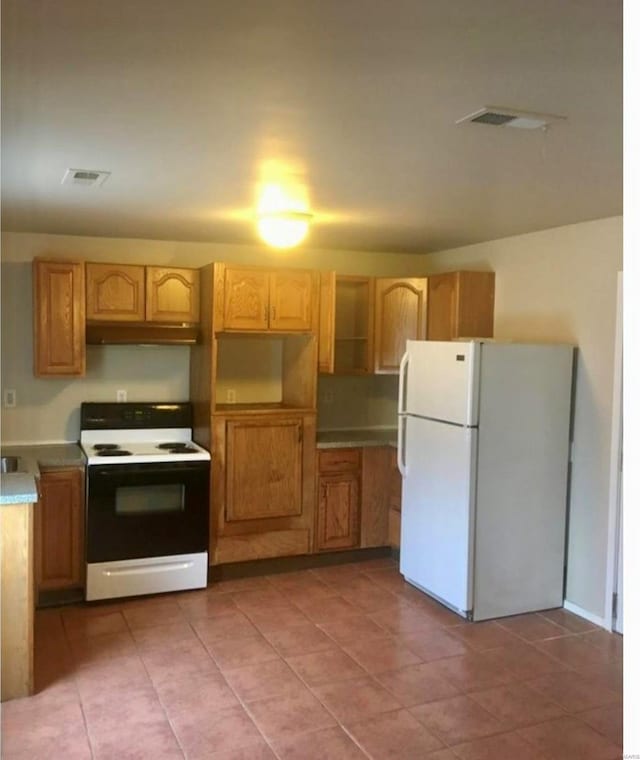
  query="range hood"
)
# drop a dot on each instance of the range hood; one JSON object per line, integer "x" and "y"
{"x": 141, "y": 333}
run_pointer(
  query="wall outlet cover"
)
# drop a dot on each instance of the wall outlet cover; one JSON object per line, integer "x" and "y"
{"x": 121, "y": 396}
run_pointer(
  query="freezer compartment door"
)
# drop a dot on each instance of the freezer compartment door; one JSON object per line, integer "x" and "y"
{"x": 442, "y": 380}
{"x": 438, "y": 497}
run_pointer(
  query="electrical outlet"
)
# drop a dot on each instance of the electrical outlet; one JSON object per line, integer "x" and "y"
{"x": 10, "y": 398}
{"x": 121, "y": 396}
{"x": 231, "y": 396}
{"x": 327, "y": 397}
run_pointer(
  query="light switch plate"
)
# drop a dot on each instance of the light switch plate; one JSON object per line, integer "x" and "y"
{"x": 9, "y": 397}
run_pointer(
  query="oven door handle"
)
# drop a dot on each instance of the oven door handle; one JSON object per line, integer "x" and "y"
{"x": 157, "y": 567}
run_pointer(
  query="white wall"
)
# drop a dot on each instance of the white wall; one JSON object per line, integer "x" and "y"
{"x": 48, "y": 409}
{"x": 560, "y": 285}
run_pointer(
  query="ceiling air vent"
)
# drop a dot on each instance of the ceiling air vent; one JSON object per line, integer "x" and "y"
{"x": 510, "y": 117}
{"x": 87, "y": 177}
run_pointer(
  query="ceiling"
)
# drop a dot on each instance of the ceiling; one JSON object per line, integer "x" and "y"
{"x": 190, "y": 104}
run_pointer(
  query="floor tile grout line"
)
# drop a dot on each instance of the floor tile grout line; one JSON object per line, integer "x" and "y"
{"x": 570, "y": 670}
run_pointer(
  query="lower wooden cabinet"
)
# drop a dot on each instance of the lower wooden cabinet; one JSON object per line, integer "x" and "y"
{"x": 59, "y": 530}
{"x": 353, "y": 489}
{"x": 395, "y": 500}
{"x": 262, "y": 493}
{"x": 338, "y": 519}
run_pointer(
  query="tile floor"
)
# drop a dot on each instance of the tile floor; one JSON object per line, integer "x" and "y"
{"x": 341, "y": 662}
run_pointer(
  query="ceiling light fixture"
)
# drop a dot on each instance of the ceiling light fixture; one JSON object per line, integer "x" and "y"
{"x": 282, "y": 213}
{"x": 284, "y": 229}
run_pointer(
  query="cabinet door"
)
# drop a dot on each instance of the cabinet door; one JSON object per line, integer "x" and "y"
{"x": 290, "y": 301}
{"x": 442, "y": 306}
{"x": 59, "y": 318}
{"x": 327, "y": 322}
{"x": 59, "y": 531}
{"x": 246, "y": 299}
{"x": 400, "y": 315}
{"x": 338, "y": 525}
{"x": 264, "y": 469}
{"x": 173, "y": 295}
{"x": 475, "y": 304}
{"x": 115, "y": 293}
{"x": 374, "y": 521}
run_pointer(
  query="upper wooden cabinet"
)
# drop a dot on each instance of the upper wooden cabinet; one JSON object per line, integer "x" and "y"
{"x": 327, "y": 322}
{"x": 250, "y": 299}
{"x": 172, "y": 295}
{"x": 354, "y": 303}
{"x": 129, "y": 293}
{"x": 291, "y": 300}
{"x": 59, "y": 318}
{"x": 115, "y": 293}
{"x": 460, "y": 305}
{"x": 400, "y": 315}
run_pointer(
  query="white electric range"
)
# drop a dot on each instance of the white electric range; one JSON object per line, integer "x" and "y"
{"x": 147, "y": 499}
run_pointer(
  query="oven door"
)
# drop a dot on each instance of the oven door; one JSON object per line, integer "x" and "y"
{"x": 147, "y": 510}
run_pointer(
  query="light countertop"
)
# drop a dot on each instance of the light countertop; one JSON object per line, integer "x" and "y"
{"x": 21, "y": 487}
{"x": 355, "y": 438}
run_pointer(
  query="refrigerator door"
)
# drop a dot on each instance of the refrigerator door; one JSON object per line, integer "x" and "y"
{"x": 438, "y": 497}
{"x": 441, "y": 381}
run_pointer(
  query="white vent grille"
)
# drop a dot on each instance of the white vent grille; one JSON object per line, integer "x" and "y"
{"x": 510, "y": 117}
{"x": 86, "y": 177}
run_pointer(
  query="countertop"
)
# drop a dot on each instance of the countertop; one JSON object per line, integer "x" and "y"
{"x": 20, "y": 487}
{"x": 357, "y": 437}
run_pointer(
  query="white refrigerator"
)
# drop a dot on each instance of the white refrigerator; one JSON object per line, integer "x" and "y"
{"x": 483, "y": 449}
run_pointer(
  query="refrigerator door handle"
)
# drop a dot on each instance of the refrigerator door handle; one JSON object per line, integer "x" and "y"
{"x": 402, "y": 465}
{"x": 402, "y": 395}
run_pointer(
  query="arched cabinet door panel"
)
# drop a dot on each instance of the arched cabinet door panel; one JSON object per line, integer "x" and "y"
{"x": 400, "y": 315}
{"x": 115, "y": 293}
{"x": 173, "y": 295}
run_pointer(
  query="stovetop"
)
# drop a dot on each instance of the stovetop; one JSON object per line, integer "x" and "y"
{"x": 136, "y": 433}
{"x": 123, "y": 451}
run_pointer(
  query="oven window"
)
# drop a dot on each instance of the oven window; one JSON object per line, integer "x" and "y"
{"x": 149, "y": 500}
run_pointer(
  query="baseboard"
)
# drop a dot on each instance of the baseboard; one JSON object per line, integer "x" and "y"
{"x": 595, "y": 619}
{"x": 251, "y": 568}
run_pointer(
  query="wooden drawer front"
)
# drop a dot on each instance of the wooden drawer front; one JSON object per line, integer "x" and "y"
{"x": 339, "y": 460}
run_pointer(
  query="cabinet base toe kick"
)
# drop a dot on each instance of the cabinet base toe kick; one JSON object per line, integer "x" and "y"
{"x": 151, "y": 575}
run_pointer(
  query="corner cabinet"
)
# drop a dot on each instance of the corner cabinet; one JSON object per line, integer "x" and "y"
{"x": 262, "y": 485}
{"x": 400, "y": 315}
{"x": 460, "y": 305}
{"x": 59, "y": 530}
{"x": 130, "y": 293}
{"x": 252, "y": 299}
{"x": 59, "y": 318}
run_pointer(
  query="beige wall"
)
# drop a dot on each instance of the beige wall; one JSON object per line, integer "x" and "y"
{"x": 48, "y": 410}
{"x": 560, "y": 285}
